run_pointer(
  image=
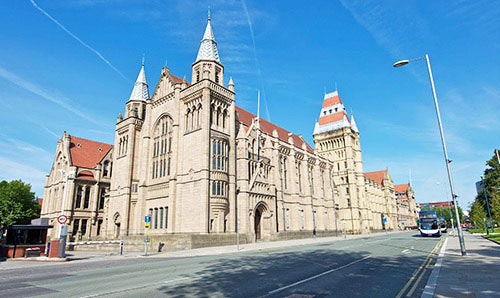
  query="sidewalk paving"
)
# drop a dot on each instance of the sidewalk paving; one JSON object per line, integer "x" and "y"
{"x": 475, "y": 275}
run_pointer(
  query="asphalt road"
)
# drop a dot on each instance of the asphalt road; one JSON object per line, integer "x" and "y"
{"x": 380, "y": 266}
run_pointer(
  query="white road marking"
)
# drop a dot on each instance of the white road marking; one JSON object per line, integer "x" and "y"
{"x": 318, "y": 275}
{"x": 174, "y": 280}
{"x": 406, "y": 251}
{"x": 430, "y": 287}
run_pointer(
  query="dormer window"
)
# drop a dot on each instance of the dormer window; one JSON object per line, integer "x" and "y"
{"x": 78, "y": 145}
{"x": 330, "y": 111}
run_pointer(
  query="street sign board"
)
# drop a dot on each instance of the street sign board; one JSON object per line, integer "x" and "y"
{"x": 147, "y": 219}
{"x": 62, "y": 219}
{"x": 402, "y": 222}
{"x": 64, "y": 231}
{"x": 146, "y": 225}
{"x": 385, "y": 219}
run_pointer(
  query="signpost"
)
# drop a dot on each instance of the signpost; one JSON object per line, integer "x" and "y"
{"x": 62, "y": 219}
{"x": 147, "y": 225}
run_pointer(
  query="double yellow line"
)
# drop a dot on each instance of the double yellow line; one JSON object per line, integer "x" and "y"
{"x": 421, "y": 270}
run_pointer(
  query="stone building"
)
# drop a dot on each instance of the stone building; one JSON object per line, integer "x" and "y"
{"x": 407, "y": 206}
{"x": 77, "y": 185}
{"x": 204, "y": 169}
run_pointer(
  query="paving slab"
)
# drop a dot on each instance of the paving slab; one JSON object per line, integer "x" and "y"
{"x": 475, "y": 275}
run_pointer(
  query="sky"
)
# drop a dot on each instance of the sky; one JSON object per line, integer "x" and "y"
{"x": 70, "y": 66}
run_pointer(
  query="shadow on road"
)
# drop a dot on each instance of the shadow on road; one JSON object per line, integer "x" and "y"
{"x": 256, "y": 275}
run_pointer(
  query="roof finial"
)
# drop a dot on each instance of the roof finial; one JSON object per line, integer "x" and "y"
{"x": 143, "y": 59}
{"x": 209, "y": 13}
{"x": 166, "y": 62}
{"x": 325, "y": 89}
{"x": 336, "y": 87}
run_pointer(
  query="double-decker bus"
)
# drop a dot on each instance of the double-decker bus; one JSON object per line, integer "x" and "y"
{"x": 442, "y": 224}
{"x": 429, "y": 223}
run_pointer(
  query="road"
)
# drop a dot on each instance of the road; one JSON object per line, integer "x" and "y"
{"x": 379, "y": 266}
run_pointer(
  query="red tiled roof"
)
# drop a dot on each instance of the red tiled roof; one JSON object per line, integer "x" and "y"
{"x": 267, "y": 127}
{"x": 178, "y": 80}
{"x": 85, "y": 175}
{"x": 331, "y": 101}
{"x": 332, "y": 118}
{"x": 401, "y": 188}
{"x": 377, "y": 176}
{"x": 40, "y": 201}
{"x": 85, "y": 153}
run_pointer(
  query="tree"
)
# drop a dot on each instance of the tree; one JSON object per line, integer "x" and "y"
{"x": 18, "y": 205}
{"x": 479, "y": 209}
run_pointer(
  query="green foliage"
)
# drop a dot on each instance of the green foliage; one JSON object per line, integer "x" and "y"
{"x": 479, "y": 209}
{"x": 18, "y": 205}
{"x": 447, "y": 213}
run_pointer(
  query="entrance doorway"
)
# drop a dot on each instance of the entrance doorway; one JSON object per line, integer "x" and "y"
{"x": 257, "y": 224}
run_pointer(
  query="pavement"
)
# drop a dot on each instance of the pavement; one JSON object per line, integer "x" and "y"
{"x": 475, "y": 275}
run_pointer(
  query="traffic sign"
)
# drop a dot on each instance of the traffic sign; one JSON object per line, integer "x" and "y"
{"x": 146, "y": 225}
{"x": 62, "y": 219}
{"x": 385, "y": 219}
{"x": 147, "y": 219}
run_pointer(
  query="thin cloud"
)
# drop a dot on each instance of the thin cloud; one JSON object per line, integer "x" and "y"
{"x": 256, "y": 59}
{"x": 33, "y": 88}
{"x": 78, "y": 39}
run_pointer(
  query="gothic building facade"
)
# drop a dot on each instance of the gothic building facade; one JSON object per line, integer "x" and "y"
{"x": 197, "y": 164}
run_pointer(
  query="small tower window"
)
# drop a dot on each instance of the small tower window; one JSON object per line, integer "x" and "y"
{"x": 197, "y": 76}
{"x": 217, "y": 77}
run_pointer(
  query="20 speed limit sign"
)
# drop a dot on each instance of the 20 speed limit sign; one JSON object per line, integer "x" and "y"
{"x": 62, "y": 219}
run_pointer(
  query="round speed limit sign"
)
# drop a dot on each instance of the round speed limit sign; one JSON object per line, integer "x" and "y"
{"x": 62, "y": 219}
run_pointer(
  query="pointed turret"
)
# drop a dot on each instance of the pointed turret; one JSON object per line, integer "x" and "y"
{"x": 353, "y": 124}
{"x": 208, "y": 47}
{"x": 332, "y": 115}
{"x": 140, "y": 91}
{"x": 207, "y": 65}
{"x": 230, "y": 86}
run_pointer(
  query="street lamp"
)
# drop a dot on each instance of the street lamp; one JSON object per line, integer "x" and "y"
{"x": 447, "y": 160}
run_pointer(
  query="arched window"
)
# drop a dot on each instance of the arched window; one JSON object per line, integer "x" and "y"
{"x": 218, "y": 116}
{"x": 198, "y": 112}
{"x": 161, "y": 148}
{"x": 188, "y": 113}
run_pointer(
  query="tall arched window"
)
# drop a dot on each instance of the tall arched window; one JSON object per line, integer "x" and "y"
{"x": 162, "y": 148}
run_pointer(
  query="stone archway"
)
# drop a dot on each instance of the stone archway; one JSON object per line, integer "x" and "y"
{"x": 260, "y": 213}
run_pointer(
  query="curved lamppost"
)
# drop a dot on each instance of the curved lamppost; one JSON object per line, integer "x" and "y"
{"x": 443, "y": 141}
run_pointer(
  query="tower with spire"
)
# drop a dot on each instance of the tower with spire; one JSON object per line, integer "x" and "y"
{"x": 336, "y": 137}
{"x": 208, "y": 64}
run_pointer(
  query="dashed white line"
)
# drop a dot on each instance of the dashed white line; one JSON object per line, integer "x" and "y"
{"x": 318, "y": 275}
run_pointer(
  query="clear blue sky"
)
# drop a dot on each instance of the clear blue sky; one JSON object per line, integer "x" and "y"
{"x": 53, "y": 80}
